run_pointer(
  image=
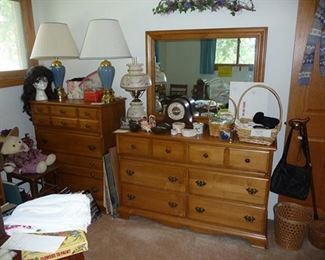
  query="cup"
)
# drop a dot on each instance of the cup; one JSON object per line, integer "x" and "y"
{"x": 198, "y": 127}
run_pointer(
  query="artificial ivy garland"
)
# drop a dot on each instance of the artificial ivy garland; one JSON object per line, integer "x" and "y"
{"x": 170, "y": 6}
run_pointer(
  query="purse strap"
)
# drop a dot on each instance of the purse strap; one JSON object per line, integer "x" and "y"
{"x": 286, "y": 147}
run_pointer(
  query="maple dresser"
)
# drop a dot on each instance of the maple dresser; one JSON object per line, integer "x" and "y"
{"x": 199, "y": 182}
{"x": 79, "y": 133}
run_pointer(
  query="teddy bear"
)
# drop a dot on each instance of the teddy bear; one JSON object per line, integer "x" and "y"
{"x": 20, "y": 155}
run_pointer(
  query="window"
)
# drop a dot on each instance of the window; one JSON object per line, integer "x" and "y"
{"x": 16, "y": 40}
{"x": 235, "y": 51}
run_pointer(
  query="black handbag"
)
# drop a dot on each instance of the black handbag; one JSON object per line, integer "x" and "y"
{"x": 292, "y": 180}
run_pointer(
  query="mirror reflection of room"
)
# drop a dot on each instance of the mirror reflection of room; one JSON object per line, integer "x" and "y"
{"x": 202, "y": 69}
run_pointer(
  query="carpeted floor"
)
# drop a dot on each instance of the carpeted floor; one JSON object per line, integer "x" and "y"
{"x": 140, "y": 238}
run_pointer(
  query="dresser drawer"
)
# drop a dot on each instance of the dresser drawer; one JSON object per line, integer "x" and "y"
{"x": 70, "y": 143}
{"x": 133, "y": 146}
{"x": 172, "y": 151}
{"x": 153, "y": 200}
{"x": 226, "y": 213}
{"x": 65, "y": 122}
{"x": 42, "y": 120}
{"x": 249, "y": 160}
{"x": 79, "y": 183}
{"x": 84, "y": 172}
{"x": 64, "y": 111}
{"x": 87, "y": 113}
{"x": 206, "y": 154}
{"x": 40, "y": 109}
{"x": 90, "y": 125}
{"x": 151, "y": 175}
{"x": 228, "y": 186}
{"x": 81, "y": 161}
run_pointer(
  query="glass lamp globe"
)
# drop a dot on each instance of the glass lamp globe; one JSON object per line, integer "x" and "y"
{"x": 136, "y": 82}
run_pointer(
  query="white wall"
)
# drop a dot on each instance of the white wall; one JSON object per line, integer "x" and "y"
{"x": 136, "y": 17}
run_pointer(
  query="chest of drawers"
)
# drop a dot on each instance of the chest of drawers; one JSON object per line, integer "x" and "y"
{"x": 79, "y": 134}
{"x": 200, "y": 182}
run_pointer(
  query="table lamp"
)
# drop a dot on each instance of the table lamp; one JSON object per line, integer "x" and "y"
{"x": 136, "y": 82}
{"x": 105, "y": 40}
{"x": 54, "y": 41}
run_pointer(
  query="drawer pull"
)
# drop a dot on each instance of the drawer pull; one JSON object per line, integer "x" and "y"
{"x": 133, "y": 147}
{"x": 172, "y": 178}
{"x": 43, "y": 141}
{"x": 91, "y": 164}
{"x": 199, "y": 210}
{"x": 91, "y": 147}
{"x": 131, "y": 196}
{"x": 129, "y": 172}
{"x": 247, "y": 160}
{"x": 200, "y": 183}
{"x": 94, "y": 190}
{"x": 92, "y": 174}
{"x": 87, "y": 126}
{"x": 87, "y": 114}
{"x": 249, "y": 219}
{"x": 63, "y": 123}
{"x": 252, "y": 191}
{"x": 167, "y": 150}
{"x": 172, "y": 204}
{"x": 62, "y": 112}
{"x": 205, "y": 155}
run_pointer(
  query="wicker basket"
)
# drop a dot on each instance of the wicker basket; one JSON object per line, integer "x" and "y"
{"x": 290, "y": 223}
{"x": 215, "y": 128}
{"x": 316, "y": 233}
{"x": 244, "y": 130}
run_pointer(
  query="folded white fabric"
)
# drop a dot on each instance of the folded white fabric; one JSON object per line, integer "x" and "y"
{"x": 52, "y": 213}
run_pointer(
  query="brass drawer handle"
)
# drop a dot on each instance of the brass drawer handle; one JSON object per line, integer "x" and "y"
{"x": 205, "y": 155}
{"x": 63, "y": 123}
{"x": 129, "y": 172}
{"x": 172, "y": 204}
{"x": 91, "y": 164}
{"x": 247, "y": 160}
{"x": 249, "y": 219}
{"x": 87, "y": 114}
{"x": 172, "y": 178}
{"x": 133, "y": 147}
{"x": 91, "y": 147}
{"x": 62, "y": 112}
{"x": 87, "y": 126}
{"x": 131, "y": 196}
{"x": 200, "y": 183}
{"x": 252, "y": 191}
{"x": 167, "y": 150}
{"x": 199, "y": 210}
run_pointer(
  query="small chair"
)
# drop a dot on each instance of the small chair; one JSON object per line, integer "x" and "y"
{"x": 35, "y": 179}
{"x": 178, "y": 90}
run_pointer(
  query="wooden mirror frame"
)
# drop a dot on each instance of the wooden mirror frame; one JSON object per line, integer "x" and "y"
{"x": 260, "y": 33}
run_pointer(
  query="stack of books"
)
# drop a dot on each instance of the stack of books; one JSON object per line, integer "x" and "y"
{"x": 74, "y": 243}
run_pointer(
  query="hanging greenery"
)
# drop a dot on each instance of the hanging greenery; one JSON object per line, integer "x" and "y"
{"x": 183, "y": 6}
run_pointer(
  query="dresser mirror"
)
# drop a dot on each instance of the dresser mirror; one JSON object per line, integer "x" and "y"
{"x": 200, "y": 63}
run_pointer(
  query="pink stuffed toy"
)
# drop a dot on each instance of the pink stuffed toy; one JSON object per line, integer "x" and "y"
{"x": 20, "y": 156}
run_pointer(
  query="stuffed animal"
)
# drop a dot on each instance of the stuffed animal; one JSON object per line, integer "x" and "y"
{"x": 22, "y": 157}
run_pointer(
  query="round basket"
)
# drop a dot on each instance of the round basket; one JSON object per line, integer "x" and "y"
{"x": 316, "y": 233}
{"x": 290, "y": 224}
{"x": 215, "y": 128}
{"x": 243, "y": 129}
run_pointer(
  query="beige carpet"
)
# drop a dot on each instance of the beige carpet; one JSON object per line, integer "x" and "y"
{"x": 140, "y": 238}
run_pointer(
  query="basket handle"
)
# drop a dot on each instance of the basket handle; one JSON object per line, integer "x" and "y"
{"x": 232, "y": 101}
{"x": 259, "y": 85}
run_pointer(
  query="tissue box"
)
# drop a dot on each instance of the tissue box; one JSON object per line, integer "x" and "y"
{"x": 93, "y": 95}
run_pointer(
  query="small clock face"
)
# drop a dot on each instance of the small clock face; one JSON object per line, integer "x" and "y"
{"x": 176, "y": 111}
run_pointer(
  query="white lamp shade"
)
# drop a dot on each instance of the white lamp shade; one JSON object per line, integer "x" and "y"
{"x": 54, "y": 40}
{"x": 104, "y": 40}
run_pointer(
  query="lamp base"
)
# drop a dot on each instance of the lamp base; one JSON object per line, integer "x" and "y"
{"x": 108, "y": 96}
{"x": 61, "y": 93}
{"x": 136, "y": 111}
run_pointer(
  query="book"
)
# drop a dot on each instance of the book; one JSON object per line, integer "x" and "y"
{"x": 74, "y": 243}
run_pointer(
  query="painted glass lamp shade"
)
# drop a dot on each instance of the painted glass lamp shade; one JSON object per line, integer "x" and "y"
{"x": 54, "y": 41}
{"x": 136, "y": 82}
{"x": 105, "y": 40}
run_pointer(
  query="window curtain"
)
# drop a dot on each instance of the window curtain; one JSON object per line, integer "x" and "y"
{"x": 207, "y": 57}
